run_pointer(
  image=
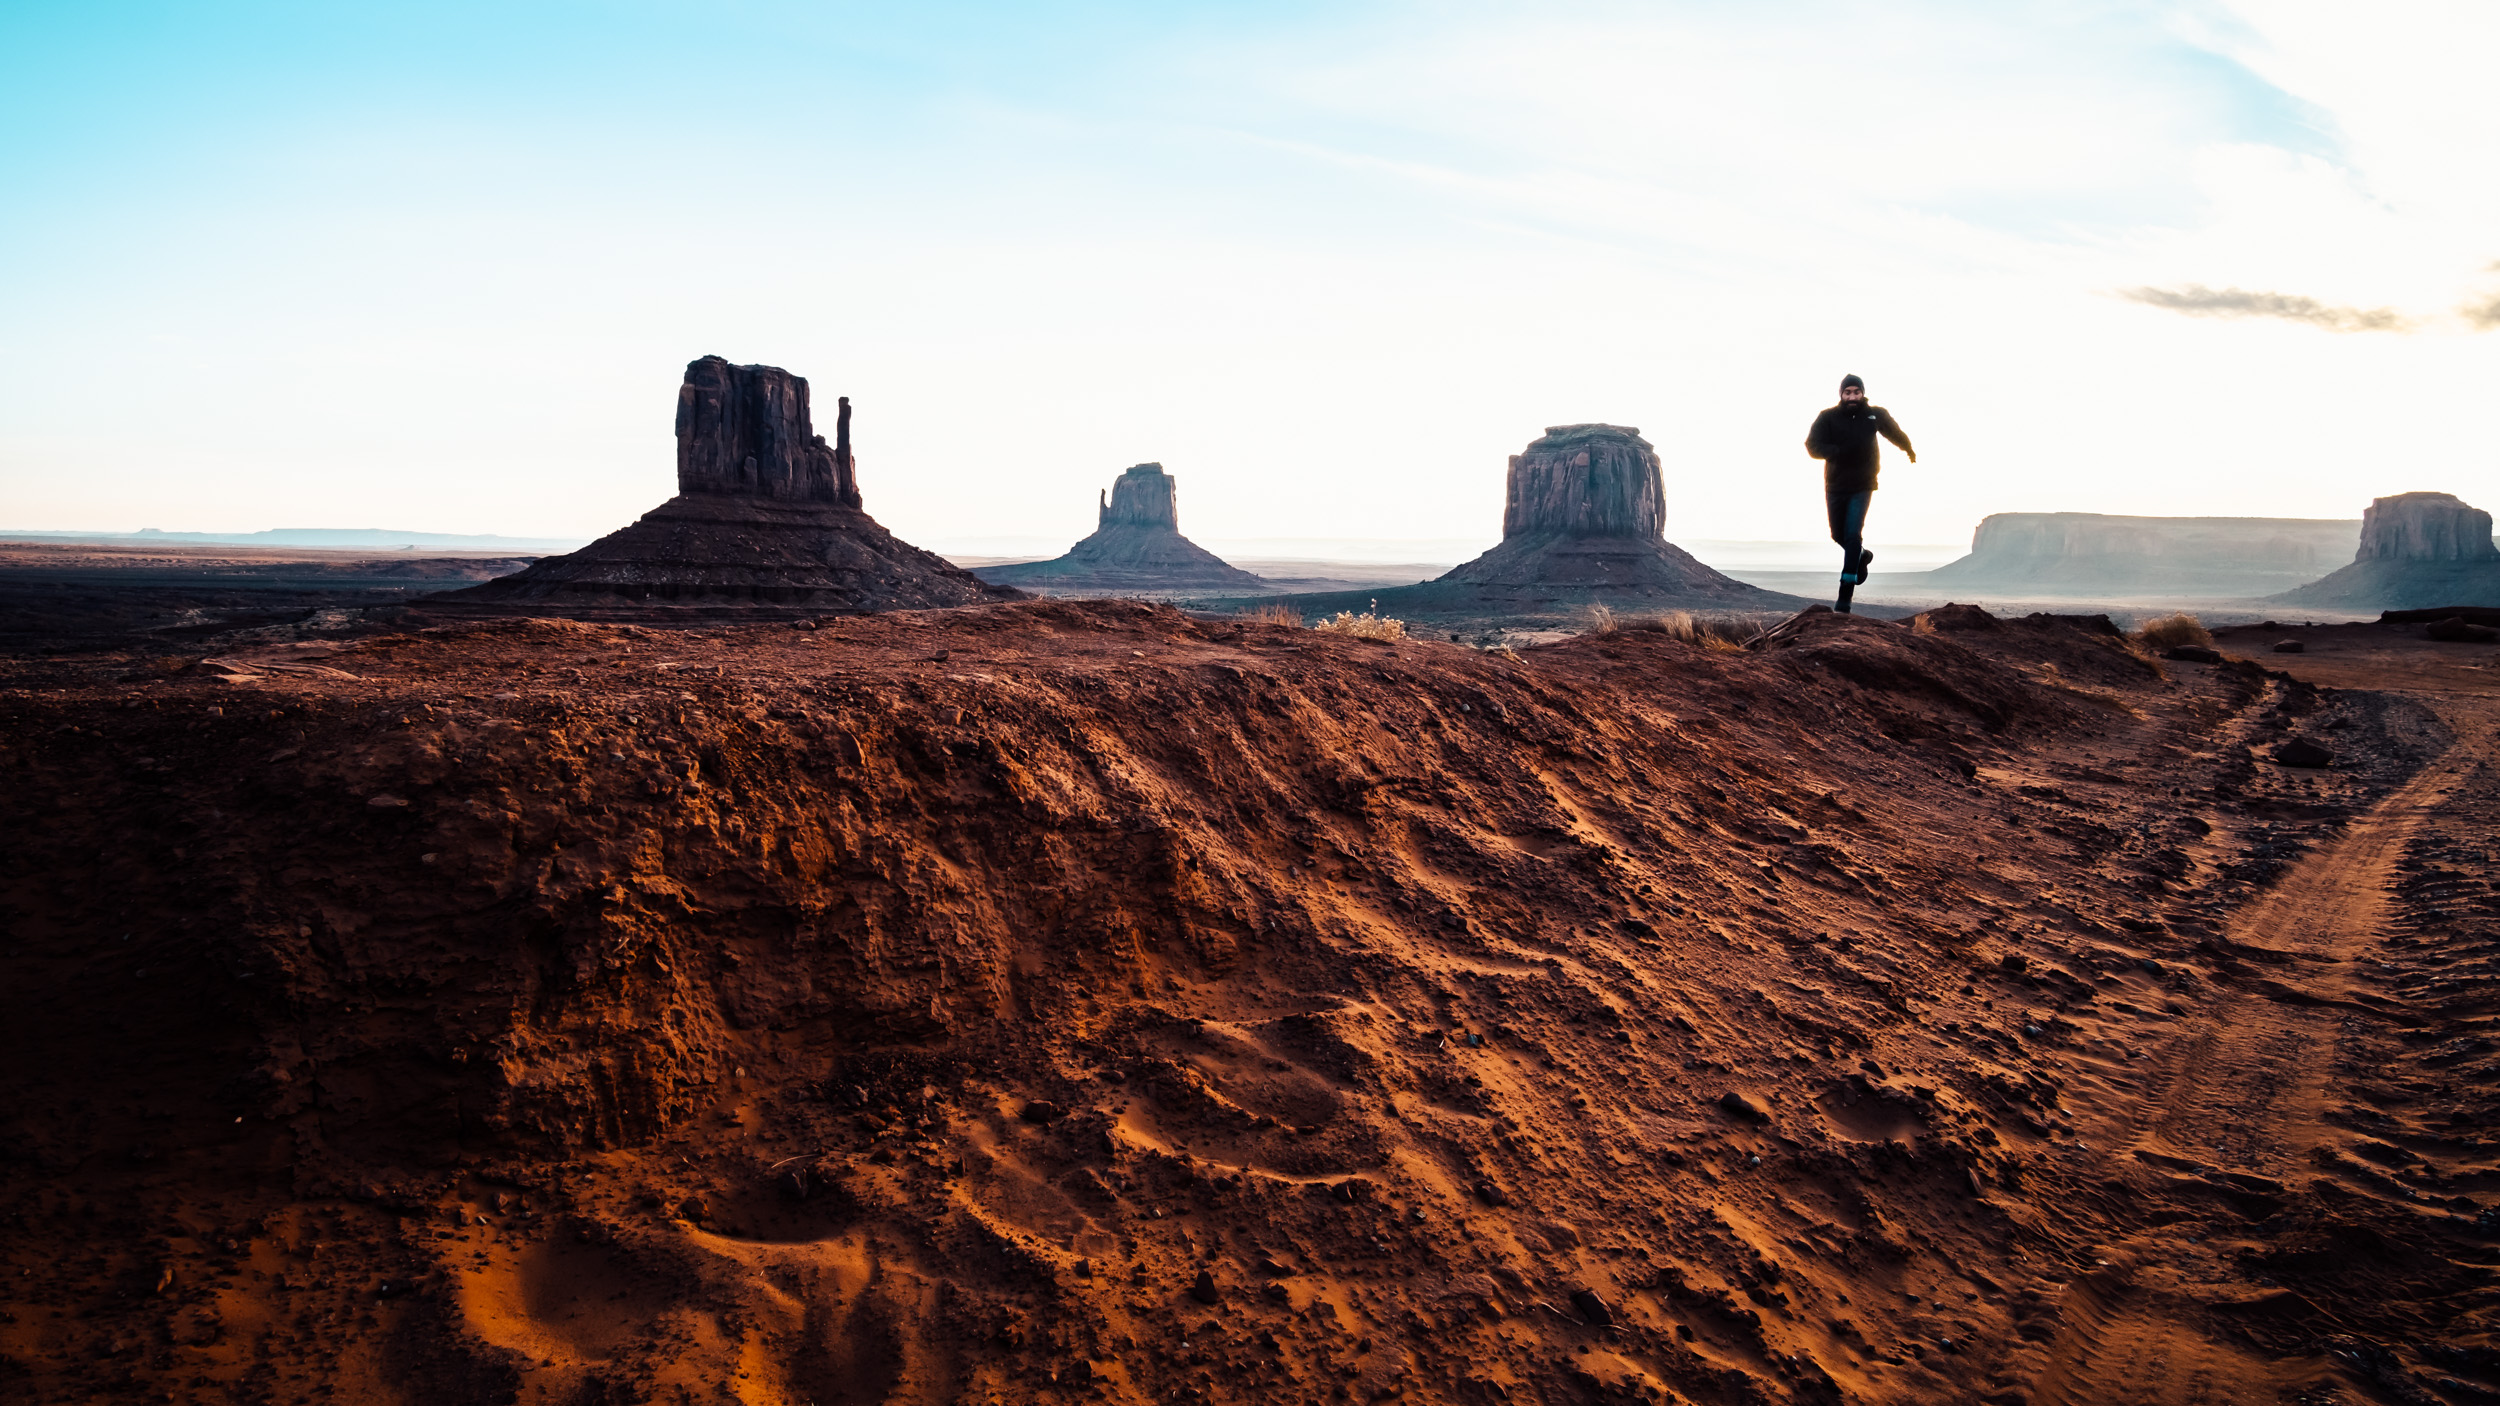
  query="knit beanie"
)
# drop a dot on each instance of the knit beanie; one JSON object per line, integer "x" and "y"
{"x": 1851, "y": 380}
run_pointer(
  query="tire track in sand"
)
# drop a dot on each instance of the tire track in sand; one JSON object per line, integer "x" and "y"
{"x": 2245, "y": 1091}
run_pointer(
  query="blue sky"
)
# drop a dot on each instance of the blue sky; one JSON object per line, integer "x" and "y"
{"x": 440, "y": 267}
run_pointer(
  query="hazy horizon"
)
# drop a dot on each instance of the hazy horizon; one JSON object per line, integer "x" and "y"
{"x": 443, "y": 266}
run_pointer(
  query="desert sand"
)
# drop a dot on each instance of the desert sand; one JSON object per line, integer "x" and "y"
{"x": 1058, "y": 1001}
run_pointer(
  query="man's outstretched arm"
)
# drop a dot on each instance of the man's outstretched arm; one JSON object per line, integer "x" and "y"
{"x": 1891, "y": 430}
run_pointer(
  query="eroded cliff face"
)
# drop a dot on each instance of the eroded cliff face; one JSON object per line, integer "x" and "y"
{"x": 1142, "y": 497}
{"x": 746, "y": 431}
{"x": 1586, "y": 481}
{"x": 2425, "y": 527}
{"x": 2419, "y": 551}
{"x": 2106, "y": 554}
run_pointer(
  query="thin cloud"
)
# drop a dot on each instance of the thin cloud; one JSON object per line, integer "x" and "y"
{"x": 2197, "y": 300}
{"x": 2483, "y": 316}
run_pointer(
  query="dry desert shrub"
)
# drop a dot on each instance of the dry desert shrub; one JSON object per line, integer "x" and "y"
{"x": 1597, "y": 618}
{"x": 1275, "y": 613}
{"x": 2171, "y": 631}
{"x": 1714, "y": 636}
{"x": 1366, "y": 626}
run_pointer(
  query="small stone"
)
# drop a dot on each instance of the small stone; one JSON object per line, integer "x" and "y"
{"x": 1736, "y": 1105}
{"x": 386, "y": 802}
{"x": 1204, "y": 1290}
{"x": 1592, "y": 1308}
{"x": 2302, "y": 752}
{"x": 2193, "y": 654}
{"x": 2290, "y": 647}
{"x": 1042, "y": 1111}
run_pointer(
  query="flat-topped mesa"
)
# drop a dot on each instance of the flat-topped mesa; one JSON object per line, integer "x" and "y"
{"x": 1586, "y": 481}
{"x": 1584, "y": 519}
{"x": 1141, "y": 497}
{"x": 1136, "y": 548}
{"x": 745, "y": 431}
{"x": 2425, "y": 527}
{"x": 2419, "y": 551}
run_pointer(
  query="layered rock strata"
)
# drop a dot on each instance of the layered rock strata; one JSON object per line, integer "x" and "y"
{"x": 2109, "y": 555}
{"x": 2418, "y": 551}
{"x": 767, "y": 518}
{"x": 1584, "y": 515}
{"x": 1583, "y": 523}
{"x": 1136, "y": 546}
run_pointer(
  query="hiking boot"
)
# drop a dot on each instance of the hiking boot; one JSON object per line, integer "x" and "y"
{"x": 1866, "y": 558}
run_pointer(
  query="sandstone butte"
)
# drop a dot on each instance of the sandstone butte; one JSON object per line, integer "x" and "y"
{"x": 2418, "y": 551}
{"x": 767, "y": 520}
{"x": 1136, "y": 546}
{"x": 1583, "y": 522}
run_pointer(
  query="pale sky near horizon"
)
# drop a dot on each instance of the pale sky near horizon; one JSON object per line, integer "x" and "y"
{"x": 440, "y": 267}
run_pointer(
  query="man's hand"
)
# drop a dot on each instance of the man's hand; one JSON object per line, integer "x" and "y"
{"x": 1913, "y": 458}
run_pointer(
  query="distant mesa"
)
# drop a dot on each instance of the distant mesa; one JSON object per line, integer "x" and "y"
{"x": 2417, "y": 550}
{"x": 1586, "y": 509}
{"x": 1136, "y": 546}
{"x": 767, "y": 517}
{"x": 2102, "y": 555}
{"x": 1583, "y": 522}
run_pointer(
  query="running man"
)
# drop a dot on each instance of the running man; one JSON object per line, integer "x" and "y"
{"x": 1843, "y": 437}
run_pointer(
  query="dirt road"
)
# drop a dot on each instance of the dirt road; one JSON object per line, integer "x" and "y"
{"x": 2251, "y": 1109}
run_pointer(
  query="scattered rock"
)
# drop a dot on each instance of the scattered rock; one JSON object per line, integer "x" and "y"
{"x": 2300, "y": 751}
{"x": 2193, "y": 654}
{"x": 2290, "y": 647}
{"x": 2455, "y": 630}
{"x": 1042, "y": 1110}
{"x": 1592, "y": 1307}
{"x": 1204, "y": 1290}
{"x": 1736, "y": 1105}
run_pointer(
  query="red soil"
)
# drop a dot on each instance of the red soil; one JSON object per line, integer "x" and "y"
{"x": 1077, "y": 1002}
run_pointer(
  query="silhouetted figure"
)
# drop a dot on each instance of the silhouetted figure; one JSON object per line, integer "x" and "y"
{"x": 1843, "y": 437}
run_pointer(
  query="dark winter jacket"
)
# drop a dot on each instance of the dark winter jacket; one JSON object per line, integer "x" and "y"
{"x": 1843, "y": 437}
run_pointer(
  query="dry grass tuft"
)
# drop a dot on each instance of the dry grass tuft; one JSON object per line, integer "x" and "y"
{"x": 1275, "y": 613}
{"x": 1366, "y": 626}
{"x": 2170, "y": 631}
{"x": 1714, "y": 636}
{"x": 1598, "y": 618}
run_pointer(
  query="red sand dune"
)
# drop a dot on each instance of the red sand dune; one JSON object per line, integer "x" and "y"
{"x": 1078, "y": 1002}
